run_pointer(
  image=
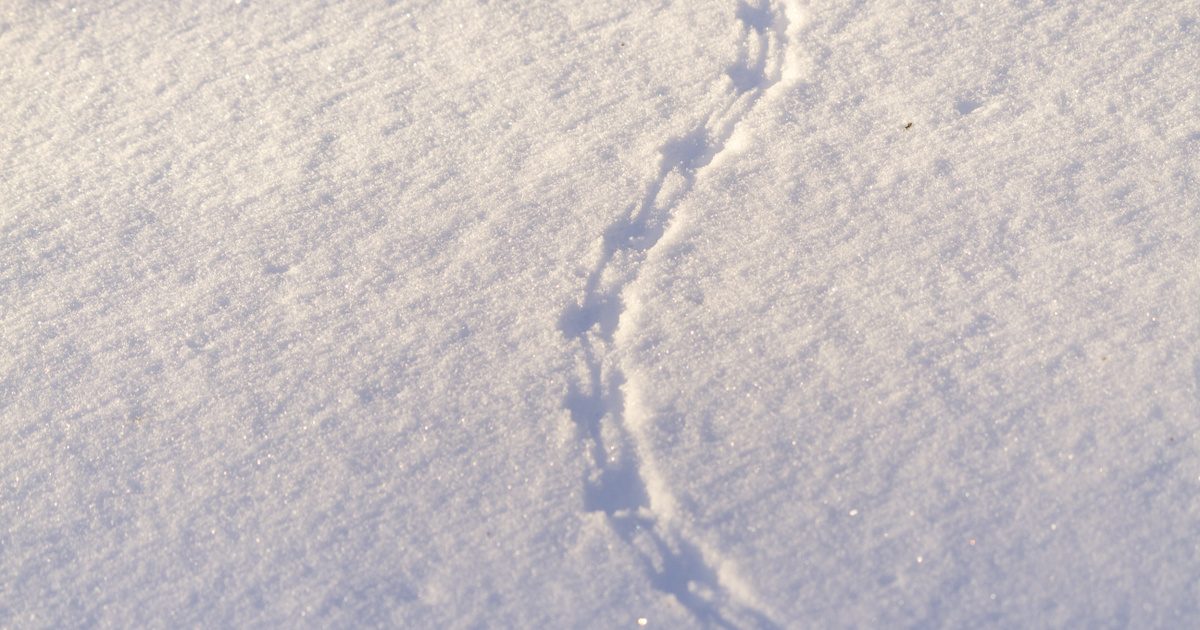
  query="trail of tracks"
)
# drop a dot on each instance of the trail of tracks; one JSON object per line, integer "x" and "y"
{"x": 622, "y": 481}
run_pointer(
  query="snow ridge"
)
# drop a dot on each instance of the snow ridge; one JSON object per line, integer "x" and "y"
{"x": 604, "y": 400}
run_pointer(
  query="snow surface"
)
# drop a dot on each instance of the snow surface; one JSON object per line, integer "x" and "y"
{"x": 538, "y": 313}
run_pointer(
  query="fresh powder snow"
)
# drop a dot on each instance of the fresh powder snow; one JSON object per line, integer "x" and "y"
{"x": 542, "y": 313}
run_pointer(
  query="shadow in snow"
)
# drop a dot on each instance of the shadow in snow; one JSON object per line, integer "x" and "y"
{"x": 616, "y": 482}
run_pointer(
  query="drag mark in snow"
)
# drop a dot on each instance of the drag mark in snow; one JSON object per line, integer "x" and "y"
{"x": 622, "y": 481}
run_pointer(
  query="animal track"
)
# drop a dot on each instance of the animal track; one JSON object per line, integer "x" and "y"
{"x": 621, "y": 481}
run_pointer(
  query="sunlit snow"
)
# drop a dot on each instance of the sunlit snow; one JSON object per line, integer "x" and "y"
{"x": 537, "y": 313}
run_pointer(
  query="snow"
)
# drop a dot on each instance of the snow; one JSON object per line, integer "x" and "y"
{"x": 547, "y": 313}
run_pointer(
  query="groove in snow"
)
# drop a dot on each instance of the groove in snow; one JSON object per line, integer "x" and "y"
{"x": 604, "y": 402}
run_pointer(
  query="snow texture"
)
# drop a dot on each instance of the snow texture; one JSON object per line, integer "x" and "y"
{"x": 537, "y": 313}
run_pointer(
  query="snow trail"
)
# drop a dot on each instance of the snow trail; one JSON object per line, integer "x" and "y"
{"x": 604, "y": 401}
